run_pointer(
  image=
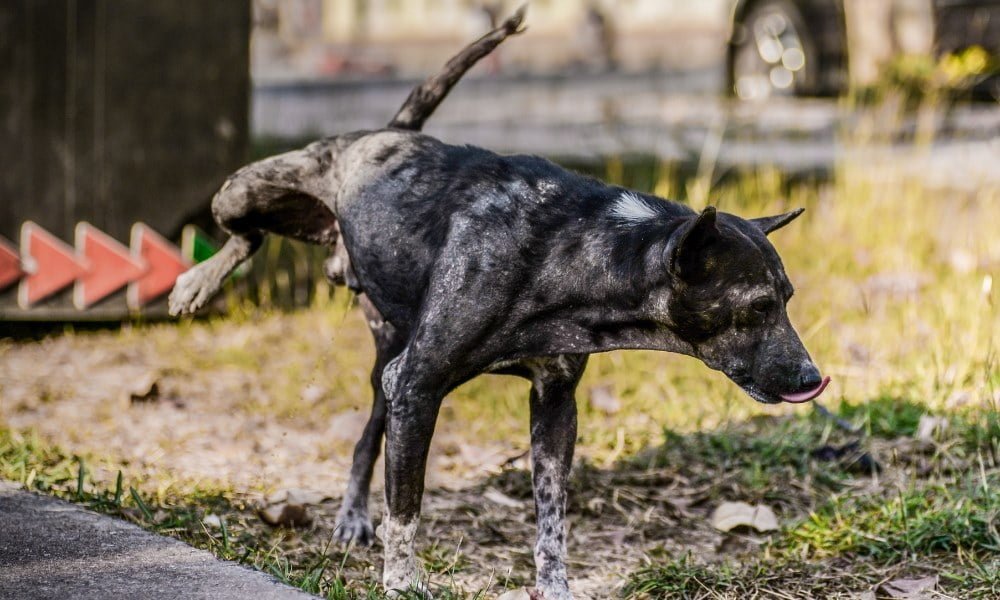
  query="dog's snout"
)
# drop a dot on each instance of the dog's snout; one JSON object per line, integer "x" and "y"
{"x": 809, "y": 377}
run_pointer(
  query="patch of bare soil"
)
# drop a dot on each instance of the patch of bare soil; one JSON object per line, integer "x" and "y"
{"x": 144, "y": 400}
{"x": 481, "y": 537}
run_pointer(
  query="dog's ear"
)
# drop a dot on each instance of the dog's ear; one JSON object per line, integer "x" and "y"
{"x": 769, "y": 224}
{"x": 687, "y": 256}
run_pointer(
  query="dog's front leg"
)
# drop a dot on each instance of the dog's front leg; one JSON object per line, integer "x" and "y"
{"x": 412, "y": 409}
{"x": 553, "y": 436}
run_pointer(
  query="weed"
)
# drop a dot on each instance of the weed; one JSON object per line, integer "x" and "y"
{"x": 885, "y": 416}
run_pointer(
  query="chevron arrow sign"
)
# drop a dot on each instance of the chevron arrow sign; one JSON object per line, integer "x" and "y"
{"x": 97, "y": 267}
{"x": 10, "y": 264}
{"x": 109, "y": 266}
{"x": 164, "y": 264}
{"x": 50, "y": 263}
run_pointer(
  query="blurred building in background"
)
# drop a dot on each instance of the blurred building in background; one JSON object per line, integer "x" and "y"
{"x": 779, "y": 47}
{"x": 322, "y": 38}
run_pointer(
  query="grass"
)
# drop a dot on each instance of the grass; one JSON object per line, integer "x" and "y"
{"x": 919, "y": 521}
{"x": 844, "y": 529}
{"x": 685, "y": 578}
{"x": 48, "y": 469}
{"x": 896, "y": 300}
{"x": 943, "y": 521}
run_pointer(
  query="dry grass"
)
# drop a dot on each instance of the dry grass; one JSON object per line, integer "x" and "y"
{"x": 895, "y": 299}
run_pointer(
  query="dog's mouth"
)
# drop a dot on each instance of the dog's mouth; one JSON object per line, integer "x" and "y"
{"x": 793, "y": 397}
{"x": 806, "y": 395}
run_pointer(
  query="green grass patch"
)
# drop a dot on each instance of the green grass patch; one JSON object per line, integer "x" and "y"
{"x": 935, "y": 510}
{"x": 885, "y": 416}
{"x": 760, "y": 460}
{"x": 686, "y": 578}
{"x": 917, "y": 522}
{"x": 45, "y": 468}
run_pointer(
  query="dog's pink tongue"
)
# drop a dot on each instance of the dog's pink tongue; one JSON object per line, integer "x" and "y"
{"x": 808, "y": 394}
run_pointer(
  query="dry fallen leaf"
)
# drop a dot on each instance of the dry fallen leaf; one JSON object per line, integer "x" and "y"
{"x": 930, "y": 427}
{"x": 285, "y": 515}
{"x": 518, "y": 594}
{"x": 602, "y": 398}
{"x": 497, "y": 497}
{"x": 145, "y": 389}
{"x": 212, "y": 521}
{"x": 911, "y": 589}
{"x": 730, "y": 515}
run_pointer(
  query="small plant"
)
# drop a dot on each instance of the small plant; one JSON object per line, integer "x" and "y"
{"x": 921, "y": 78}
{"x": 885, "y": 416}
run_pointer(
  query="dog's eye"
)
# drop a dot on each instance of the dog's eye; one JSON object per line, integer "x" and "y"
{"x": 762, "y": 305}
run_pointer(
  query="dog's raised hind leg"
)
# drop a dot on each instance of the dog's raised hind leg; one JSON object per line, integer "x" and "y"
{"x": 553, "y": 436}
{"x": 197, "y": 285}
{"x": 281, "y": 195}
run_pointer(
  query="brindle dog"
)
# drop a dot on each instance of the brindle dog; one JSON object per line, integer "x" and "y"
{"x": 470, "y": 262}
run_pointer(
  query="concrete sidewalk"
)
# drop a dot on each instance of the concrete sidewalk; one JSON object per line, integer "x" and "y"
{"x": 54, "y": 549}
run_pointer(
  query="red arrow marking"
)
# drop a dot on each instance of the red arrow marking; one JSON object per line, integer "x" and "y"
{"x": 163, "y": 261}
{"x": 109, "y": 266}
{"x": 51, "y": 265}
{"x": 10, "y": 264}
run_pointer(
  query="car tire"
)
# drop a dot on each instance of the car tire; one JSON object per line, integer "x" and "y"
{"x": 785, "y": 48}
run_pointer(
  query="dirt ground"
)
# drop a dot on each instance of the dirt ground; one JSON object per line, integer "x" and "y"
{"x": 178, "y": 409}
{"x": 134, "y": 398}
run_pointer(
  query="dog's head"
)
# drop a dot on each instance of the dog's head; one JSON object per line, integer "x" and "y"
{"x": 728, "y": 303}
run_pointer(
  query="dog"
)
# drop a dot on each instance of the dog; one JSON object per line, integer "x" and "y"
{"x": 469, "y": 262}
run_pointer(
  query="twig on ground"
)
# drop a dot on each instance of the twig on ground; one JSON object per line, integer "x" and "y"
{"x": 841, "y": 423}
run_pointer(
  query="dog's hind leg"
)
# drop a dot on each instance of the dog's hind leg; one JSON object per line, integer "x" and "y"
{"x": 353, "y": 521}
{"x": 553, "y": 435}
{"x": 283, "y": 195}
{"x": 197, "y": 285}
{"x": 414, "y": 387}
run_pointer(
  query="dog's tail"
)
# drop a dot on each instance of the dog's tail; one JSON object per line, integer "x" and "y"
{"x": 425, "y": 97}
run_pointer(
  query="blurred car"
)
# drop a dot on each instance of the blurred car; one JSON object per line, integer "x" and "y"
{"x": 821, "y": 47}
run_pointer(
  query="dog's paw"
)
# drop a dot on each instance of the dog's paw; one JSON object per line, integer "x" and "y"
{"x": 192, "y": 290}
{"x": 410, "y": 588}
{"x": 353, "y": 525}
{"x": 551, "y": 593}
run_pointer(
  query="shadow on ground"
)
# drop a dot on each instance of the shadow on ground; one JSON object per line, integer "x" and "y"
{"x": 855, "y": 509}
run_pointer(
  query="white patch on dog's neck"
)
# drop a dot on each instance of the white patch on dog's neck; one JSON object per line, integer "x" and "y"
{"x": 630, "y": 207}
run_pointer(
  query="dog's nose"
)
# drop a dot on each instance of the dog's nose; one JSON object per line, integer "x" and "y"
{"x": 810, "y": 377}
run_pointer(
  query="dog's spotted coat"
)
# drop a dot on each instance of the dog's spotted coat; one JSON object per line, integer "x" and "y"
{"x": 468, "y": 262}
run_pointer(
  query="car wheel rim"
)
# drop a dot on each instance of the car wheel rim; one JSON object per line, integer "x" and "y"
{"x": 772, "y": 59}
